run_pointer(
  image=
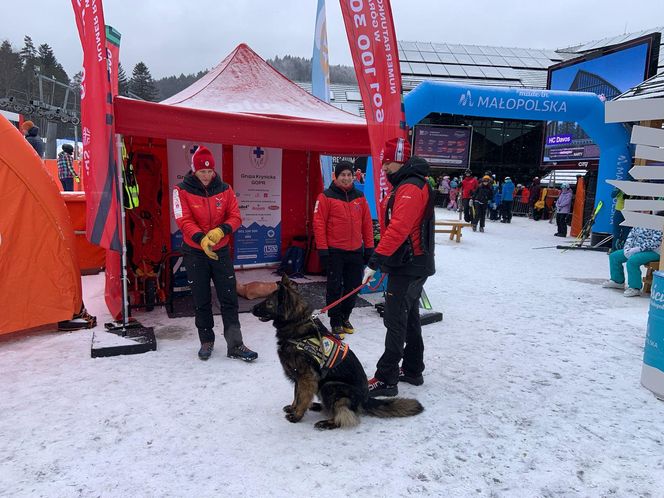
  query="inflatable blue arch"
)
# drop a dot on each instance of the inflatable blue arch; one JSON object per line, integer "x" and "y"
{"x": 540, "y": 105}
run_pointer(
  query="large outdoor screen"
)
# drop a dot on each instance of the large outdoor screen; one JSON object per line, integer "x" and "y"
{"x": 608, "y": 73}
{"x": 443, "y": 146}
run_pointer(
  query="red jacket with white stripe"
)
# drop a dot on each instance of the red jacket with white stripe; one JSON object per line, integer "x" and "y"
{"x": 198, "y": 209}
{"x": 342, "y": 220}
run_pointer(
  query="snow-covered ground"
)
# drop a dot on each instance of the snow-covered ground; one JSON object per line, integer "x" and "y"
{"x": 531, "y": 389}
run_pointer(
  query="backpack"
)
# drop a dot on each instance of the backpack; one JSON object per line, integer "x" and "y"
{"x": 292, "y": 264}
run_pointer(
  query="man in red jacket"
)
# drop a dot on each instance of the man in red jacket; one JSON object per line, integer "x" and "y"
{"x": 206, "y": 211}
{"x": 468, "y": 186}
{"x": 406, "y": 254}
{"x": 344, "y": 237}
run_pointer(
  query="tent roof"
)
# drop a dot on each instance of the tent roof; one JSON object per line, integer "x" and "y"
{"x": 244, "y": 101}
{"x": 244, "y": 82}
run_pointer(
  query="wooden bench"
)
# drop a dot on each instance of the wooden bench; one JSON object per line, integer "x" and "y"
{"x": 647, "y": 280}
{"x": 454, "y": 228}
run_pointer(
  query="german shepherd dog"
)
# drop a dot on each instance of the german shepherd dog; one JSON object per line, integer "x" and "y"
{"x": 341, "y": 388}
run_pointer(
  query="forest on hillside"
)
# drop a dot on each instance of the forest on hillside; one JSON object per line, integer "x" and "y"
{"x": 22, "y": 69}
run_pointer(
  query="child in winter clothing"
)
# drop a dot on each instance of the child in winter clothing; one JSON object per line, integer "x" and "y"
{"x": 482, "y": 195}
{"x": 454, "y": 190}
{"x": 641, "y": 247}
{"x": 563, "y": 207}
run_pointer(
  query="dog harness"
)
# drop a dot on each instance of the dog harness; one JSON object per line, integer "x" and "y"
{"x": 326, "y": 351}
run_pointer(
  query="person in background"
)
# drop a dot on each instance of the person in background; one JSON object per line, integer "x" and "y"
{"x": 563, "y": 208}
{"x": 66, "y": 171}
{"x": 534, "y": 196}
{"x": 508, "y": 200}
{"x": 31, "y": 133}
{"x": 468, "y": 186}
{"x": 454, "y": 192}
{"x": 482, "y": 195}
{"x": 642, "y": 246}
{"x": 444, "y": 189}
{"x": 344, "y": 236}
{"x": 525, "y": 195}
{"x": 359, "y": 177}
{"x": 406, "y": 254}
{"x": 206, "y": 211}
{"x": 496, "y": 201}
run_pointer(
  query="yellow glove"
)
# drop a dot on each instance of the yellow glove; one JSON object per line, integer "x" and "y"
{"x": 215, "y": 235}
{"x": 207, "y": 245}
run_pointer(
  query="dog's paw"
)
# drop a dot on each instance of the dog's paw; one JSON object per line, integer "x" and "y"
{"x": 293, "y": 418}
{"x": 316, "y": 407}
{"x": 288, "y": 408}
{"x": 325, "y": 425}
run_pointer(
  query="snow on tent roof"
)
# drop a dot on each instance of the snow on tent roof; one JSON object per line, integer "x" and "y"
{"x": 244, "y": 83}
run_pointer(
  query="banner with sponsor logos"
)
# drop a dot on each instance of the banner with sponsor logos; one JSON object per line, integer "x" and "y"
{"x": 179, "y": 164}
{"x": 257, "y": 185}
{"x": 373, "y": 45}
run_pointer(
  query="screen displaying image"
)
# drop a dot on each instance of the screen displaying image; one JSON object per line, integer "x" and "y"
{"x": 443, "y": 145}
{"x": 606, "y": 75}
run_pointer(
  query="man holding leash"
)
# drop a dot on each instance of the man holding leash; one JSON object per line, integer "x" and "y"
{"x": 406, "y": 254}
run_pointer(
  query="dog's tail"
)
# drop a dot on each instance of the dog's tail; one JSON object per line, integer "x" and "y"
{"x": 395, "y": 407}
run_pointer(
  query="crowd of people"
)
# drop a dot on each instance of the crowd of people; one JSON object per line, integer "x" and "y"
{"x": 487, "y": 197}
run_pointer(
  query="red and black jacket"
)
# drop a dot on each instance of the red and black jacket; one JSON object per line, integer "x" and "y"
{"x": 407, "y": 242}
{"x": 198, "y": 209}
{"x": 342, "y": 220}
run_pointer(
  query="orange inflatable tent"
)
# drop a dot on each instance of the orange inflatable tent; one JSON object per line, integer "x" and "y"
{"x": 40, "y": 279}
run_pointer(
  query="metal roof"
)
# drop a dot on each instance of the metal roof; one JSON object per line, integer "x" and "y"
{"x": 345, "y": 97}
{"x": 650, "y": 89}
{"x": 475, "y": 64}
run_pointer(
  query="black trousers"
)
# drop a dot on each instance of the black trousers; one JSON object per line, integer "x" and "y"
{"x": 561, "y": 221}
{"x": 404, "y": 331}
{"x": 506, "y": 207}
{"x": 480, "y": 214}
{"x": 200, "y": 271}
{"x": 344, "y": 273}
{"x": 467, "y": 211}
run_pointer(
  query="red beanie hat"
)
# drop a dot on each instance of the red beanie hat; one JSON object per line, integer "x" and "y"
{"x": 396, "y": 150}
{"x": 202, "y": 159}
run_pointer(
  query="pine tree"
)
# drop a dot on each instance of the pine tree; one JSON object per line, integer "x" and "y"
{"x": 123, "y": 82}
{"x": 28, "y": 52}
{"x": 10, "y": 68}
{"x": 142, "y": 84}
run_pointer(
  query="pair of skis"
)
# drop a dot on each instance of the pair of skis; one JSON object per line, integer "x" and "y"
{"x": 583, "y": 235}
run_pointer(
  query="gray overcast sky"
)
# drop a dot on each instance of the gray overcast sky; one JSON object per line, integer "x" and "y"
{"x": 177, "y": 36}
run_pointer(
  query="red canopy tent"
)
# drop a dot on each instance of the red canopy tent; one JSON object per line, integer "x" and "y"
{"x": 244, "y": 101}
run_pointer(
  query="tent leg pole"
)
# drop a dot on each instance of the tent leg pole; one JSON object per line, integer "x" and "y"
{"x": 123, "y": 233}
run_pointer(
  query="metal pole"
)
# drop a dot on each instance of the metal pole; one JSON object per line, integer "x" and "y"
{"x": 123, "y": 233}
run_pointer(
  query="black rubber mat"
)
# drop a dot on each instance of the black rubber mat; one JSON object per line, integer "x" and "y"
{"x": 313, "y": 292}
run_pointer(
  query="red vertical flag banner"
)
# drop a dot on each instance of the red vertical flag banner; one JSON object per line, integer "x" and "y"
{"x": 98, "y": 160}
{"x": 373, "y": 45}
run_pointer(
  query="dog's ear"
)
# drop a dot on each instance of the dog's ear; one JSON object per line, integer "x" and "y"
{"x": 285, "y": 281}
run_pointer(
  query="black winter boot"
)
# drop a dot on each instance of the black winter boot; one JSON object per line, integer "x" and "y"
{"x": 206, "y": 350}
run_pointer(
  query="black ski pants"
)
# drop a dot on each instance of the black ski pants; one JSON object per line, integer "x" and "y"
{"x": 344, "y": 273}
{"x": 507, "y": 210}
{"x": 200, "y": 271}
{"x": 561, "y": 221}
{"x": 404, "y": 331}
{"x": 467, "y": 210}
{"x": 480, "y": 214}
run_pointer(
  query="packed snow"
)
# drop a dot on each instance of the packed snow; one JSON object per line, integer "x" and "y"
{"x": 532, "y": 388}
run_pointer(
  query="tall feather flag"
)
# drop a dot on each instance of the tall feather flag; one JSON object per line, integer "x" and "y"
{"x": 373, "y": 45}
{"x": 99, "y": 167}
{"x": 320, "y": 76}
